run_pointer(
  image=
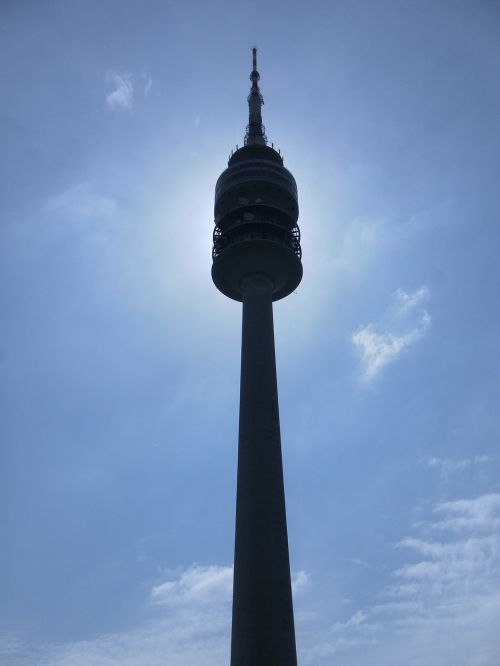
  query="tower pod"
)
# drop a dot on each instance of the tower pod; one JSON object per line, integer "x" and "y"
{"x": 256, "y": 212}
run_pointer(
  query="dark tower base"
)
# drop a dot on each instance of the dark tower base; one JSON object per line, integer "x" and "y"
{"x": 263, "y": 628}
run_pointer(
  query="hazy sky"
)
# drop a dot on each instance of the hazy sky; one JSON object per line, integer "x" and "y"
{"x": 120, "y": 360}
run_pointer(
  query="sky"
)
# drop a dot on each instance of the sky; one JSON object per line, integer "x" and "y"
{"x": 120, "y": 360}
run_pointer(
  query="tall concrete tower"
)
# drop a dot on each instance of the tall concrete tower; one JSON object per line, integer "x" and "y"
{"x": 257, "y": 260}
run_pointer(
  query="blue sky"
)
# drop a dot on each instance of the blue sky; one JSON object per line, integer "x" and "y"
{"x": 120, "y": 360}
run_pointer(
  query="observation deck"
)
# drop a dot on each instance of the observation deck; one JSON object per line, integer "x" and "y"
{"x": 256, "y": 212}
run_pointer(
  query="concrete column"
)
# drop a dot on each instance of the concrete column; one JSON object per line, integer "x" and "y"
{"x": 263, "y": 629}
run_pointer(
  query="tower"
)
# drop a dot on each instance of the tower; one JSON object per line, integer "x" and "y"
{"x": 257, "y": 260}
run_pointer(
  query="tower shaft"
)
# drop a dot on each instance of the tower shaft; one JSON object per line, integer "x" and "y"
{"x": 263, "y": 627}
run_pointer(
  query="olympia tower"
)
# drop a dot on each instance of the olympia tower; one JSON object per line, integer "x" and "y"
{"x": 257, "y": 260}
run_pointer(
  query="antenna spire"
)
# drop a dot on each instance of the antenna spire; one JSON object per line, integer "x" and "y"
{"x": 256, "y": 132}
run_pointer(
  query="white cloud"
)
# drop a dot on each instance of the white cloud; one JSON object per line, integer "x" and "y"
{"x": 201, "y": 585}
{"x": 378, "y": 349}
{"x": 148, "y": 83}
{"x": 482, "y": 513}
{"x": 120, "y": 90}
{"x": 357, "y": 244}
{"x": 300, "y": 581}
{"x": 196, "y": 585}
{"x": 407, "y": 301}
{"x": 82, "y": 202}
{"x": 355, "y": 620}
{"x": 444, "y": 605}
{"x": 14, "y": 653}
{"x": 447, "y": 465}
{"x": 192, "y": 626}
{"x": 186, "y": 639}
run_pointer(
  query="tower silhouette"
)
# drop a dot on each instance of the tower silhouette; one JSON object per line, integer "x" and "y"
{"x": 257, "y": 260}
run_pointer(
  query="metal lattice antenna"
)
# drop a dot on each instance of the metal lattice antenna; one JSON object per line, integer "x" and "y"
{"x": 256, "y": 132}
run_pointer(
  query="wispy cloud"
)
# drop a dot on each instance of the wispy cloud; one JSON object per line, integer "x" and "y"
{"x": 199, "y": 585}
{"x": 482, "y": 513}
{"x": 441, "y": 607}
{"x": 448, "y": 465}
{"x": 444, "y": 603}
{"x": 378, "y": 349}
{"x": 358, "y": 243}
{"x": 120, "y": 90}
{"x": 147, "y": 83}
{"x": 82, "y": 201}
{"x": 406, "y": 301}
{"x": 300, "y": 582}
{"x": 192, "y": 626}
{"x": 196, "y": 585}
